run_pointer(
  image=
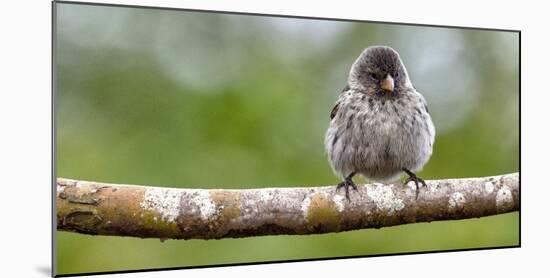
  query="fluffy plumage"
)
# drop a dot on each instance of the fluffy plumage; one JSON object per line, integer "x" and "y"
{"x": 380, "y": 127}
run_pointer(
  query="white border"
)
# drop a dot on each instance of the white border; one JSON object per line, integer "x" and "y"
{"x": 25, "y": 137}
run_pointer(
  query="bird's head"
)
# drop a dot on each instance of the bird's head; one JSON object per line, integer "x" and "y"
{"x": 379, "y": 70}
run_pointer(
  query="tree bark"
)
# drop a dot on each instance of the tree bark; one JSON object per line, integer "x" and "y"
{"x": 173, "y": 213}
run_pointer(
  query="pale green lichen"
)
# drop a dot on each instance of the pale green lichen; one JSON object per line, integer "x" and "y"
{"x": 489, "y": 187}
{"x": 456, "y": 201}
{"x": 504, "y": 199}
{"x": 339, "y": 202}
{"x": 166, "y": 202}
{"x": 207, "y": 208}
{"x": 384, "y": 198}
{"x": 153, "y": 221}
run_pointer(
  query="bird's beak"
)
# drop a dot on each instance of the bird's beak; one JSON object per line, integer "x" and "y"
{"x": 387, "y": 84}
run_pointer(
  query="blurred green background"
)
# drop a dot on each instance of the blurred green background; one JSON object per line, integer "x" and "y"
{"x": 202, "y": 100}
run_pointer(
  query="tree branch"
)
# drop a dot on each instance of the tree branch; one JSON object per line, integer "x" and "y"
{"x": 142, "y": 211}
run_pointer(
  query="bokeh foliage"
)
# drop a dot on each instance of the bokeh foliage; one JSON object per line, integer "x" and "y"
{"x": 174, "y": 98}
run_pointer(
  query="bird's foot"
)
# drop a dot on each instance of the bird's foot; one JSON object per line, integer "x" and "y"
{"x": 346, "y": 184}
{"x": 414, "y": 178}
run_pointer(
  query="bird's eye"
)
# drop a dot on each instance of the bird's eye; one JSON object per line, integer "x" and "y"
{"x": 373, "y": 75}
{"x": 396, "y": 74}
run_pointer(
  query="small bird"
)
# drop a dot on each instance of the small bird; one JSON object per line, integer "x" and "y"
{"x": 380, "y": 127}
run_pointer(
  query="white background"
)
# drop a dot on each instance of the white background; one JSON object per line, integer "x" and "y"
{"x": 25, "y": 138}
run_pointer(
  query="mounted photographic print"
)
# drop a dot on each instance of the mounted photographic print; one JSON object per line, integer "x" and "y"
{"x": 186, "y": 138}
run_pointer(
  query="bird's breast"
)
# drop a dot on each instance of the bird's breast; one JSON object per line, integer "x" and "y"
{"x": 385, "y": 127}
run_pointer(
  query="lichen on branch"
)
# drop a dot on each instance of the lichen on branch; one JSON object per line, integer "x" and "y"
{"x": 175, "y": 213}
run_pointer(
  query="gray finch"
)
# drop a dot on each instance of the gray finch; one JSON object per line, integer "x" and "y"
{"x": 380, "y": 127}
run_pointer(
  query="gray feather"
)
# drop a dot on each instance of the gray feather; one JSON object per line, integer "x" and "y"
{"x": 378, "y": 134}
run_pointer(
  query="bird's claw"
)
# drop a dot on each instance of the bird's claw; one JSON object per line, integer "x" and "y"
{"x": 414, "y": 178}
{"x": 346, "y": 184}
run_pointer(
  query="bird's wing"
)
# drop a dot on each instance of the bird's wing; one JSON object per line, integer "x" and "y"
{"x": 334, "y": 110}
{"x": 423, "y": 101}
